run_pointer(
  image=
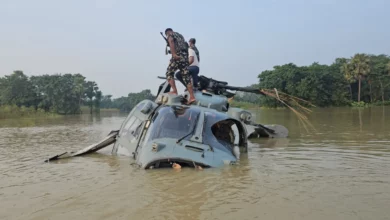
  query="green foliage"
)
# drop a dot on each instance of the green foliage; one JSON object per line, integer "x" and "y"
{"x": 244, "y": 105}
{"x": 97, "y": 101}
{"x": 244, "y": 97}
{"x": 125, "y": 104}
{"x": 316, "y": 83}
{"x": 60, "y": 94}
{"x": 106, "y": 101}
{"x": 91, "y": 91}
{"x": 359, "y": 104}
{"x": 357, "y": 81}
{"x": 14, "y": 111}
{"x": 361, "y": 78}
{"x": 16, "y": 89}
{"x": 360, "y": 67}
{"x": 385, "y": 103}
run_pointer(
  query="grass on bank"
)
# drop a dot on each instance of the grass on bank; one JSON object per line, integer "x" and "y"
{"x": 362, "y": 104}
{"x": 13, "y": 111}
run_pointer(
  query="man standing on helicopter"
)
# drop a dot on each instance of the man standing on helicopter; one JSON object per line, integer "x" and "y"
{"x": 179, "y": 60}
{"x": 193, "y": 68}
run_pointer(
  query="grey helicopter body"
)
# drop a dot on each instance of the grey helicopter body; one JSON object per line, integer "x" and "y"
{"x": 207, "y": 133}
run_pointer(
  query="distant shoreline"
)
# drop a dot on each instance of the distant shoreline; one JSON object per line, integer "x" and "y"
{"x": 14, "y": 112}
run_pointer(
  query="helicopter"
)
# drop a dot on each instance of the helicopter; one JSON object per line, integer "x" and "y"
{"x": 207, "y": 133}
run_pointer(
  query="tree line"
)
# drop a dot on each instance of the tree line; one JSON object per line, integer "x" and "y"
{"x": 126, "y": 104}
{"x": 357, "y": 80}
{"x": 61, "y": 94}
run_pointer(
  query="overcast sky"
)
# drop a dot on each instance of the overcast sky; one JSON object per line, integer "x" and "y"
{"x": 117, "y": 42}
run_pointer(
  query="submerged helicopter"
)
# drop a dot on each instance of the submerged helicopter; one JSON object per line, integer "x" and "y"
{"x": 207, "y": 133}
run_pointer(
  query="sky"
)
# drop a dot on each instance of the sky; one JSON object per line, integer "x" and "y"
{"x": 117, "y": 43}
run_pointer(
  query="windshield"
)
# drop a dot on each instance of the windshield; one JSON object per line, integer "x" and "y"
{"x": 174, "y": 122}
{"x": 216, "y": 132}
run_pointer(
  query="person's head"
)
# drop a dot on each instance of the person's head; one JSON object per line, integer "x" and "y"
{"x": 168, "y": 31}
{"x": 192, "y": 42}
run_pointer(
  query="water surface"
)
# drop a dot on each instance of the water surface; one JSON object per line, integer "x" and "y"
{"x": 340, "y": 171}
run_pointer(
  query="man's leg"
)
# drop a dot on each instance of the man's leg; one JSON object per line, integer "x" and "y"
{"x": 187, "y": 80}
{"x": 172, "y": 67}
{"x": 180, "y": 78}
{"x": 194, "y": 71}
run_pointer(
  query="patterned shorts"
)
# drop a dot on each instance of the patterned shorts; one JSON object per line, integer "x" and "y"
{"x": 180, "y": 64}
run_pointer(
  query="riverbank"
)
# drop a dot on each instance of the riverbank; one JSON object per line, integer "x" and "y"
{"x": 13, "y": 112}
{"x": 361, "y": 104}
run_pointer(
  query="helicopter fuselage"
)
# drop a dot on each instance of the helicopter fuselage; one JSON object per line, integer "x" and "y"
{"x": 207, "y": 133}
{"x": 158, "y": 134}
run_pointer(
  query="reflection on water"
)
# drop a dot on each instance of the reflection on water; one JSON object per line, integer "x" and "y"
{"x": 342, "y": 171}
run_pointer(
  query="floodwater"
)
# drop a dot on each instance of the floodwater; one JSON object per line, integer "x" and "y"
{"x": 339, "y": 171}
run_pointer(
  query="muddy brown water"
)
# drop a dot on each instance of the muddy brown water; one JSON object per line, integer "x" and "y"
{"x": 340, "y": 171}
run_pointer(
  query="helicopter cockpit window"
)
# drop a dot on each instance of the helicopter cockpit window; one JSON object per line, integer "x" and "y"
{"x": 134, "y": 130}
{"x": 174, "y": 122}
{"x": 218, "y": 132}
{"x": 127, "y": 126}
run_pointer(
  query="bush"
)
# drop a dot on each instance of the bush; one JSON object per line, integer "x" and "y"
{"x": 13, "y": 111}
{"x": 360, "y": 104}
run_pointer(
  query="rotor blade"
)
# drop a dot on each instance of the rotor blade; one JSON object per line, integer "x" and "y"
{"x": 243, "y": 89}
{"x": 163, "y": 77}
{"x": 111, "y": 138}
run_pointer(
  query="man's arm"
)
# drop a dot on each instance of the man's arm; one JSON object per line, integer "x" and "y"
{"x": 191, "y": 56}
{"x": 172, "y": 46}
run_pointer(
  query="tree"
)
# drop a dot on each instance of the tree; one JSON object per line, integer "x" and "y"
{"x": 106, "y": 102}
{"x": 388, "y": 67}
{"x": 378, "y": 77}
{"x": 16, "y": 89}
{"x": 97, "y": 100}
{"x": 347, "y": 73}
{"x": 58, "y": 93}
{"x": 125, "y": 104}
{"x": 79, "y": 81}
{"x": 360, "y": 65}
{"x": 89, "y": 89}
